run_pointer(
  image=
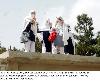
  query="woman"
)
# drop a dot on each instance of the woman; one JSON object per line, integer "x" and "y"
{"x": 31, "y": 28}
{"x": 58, "y": 42}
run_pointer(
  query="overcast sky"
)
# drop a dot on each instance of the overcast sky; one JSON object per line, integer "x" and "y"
{"x": 13, "y": 12}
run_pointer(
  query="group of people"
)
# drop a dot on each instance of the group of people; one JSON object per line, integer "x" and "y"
{"x": 55, "y": 40}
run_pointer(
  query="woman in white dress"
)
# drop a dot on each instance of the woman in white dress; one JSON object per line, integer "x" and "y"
{"x": 30, "y": 25}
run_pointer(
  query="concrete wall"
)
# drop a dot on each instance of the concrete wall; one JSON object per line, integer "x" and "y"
{"x": 21, "y": 61}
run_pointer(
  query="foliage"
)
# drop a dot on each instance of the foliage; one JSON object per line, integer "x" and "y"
{"x": 97, "y": 46}
{"x": 38, "y": 46}
{"x": 84, "y": 35}
{"x": 2, "y": 49}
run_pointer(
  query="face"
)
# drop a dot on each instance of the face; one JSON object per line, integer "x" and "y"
{"x": 48, "y": 21}
{"x": 33, "y": 14}
{"x": 62, "y": 22}
{"x": 59, "y": 21}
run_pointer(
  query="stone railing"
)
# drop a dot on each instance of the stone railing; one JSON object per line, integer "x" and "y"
{"x": 24, "y": 61}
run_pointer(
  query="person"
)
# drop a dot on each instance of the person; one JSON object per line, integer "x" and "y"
{"x": 66, "y": 37}
{"x": 30, "y": 25}
{"x": 70, "y": 44}
{"x": 70, "y": 47}
{"x": 46, "y": 34}
{"x": 58, "y": 44}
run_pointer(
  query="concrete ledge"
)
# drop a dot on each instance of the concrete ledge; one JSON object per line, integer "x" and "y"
{"x": 24, "y": 61}
{"x": 74, "y": 58}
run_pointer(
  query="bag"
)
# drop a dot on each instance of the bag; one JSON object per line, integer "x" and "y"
{"x": 24, "y": 37}
{"x": 31, "y": 36}
{"x": 52, "y": 36}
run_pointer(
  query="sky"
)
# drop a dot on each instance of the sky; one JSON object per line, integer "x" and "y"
{"x": 13, "y": 12}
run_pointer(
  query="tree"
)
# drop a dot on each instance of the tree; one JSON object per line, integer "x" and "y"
{"x": 97, "y": 46}
{"x": 98, "y": 38}
{"x": 84, "y": 35}
{"x": 14, "y": 49}
{"x": 38, "y": 46}
{"x": 2, "y": 49}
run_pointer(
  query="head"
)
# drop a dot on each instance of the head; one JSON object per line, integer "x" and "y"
{"x": 48, "y": 21}
{"x": 70, "y": 38}
{"x": 33, "y": 13}
{"x": 60, "y": 20}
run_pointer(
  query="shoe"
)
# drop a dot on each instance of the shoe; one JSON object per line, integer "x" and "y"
{"x": 58, "y": 53}
{"x": 67, "y": 53}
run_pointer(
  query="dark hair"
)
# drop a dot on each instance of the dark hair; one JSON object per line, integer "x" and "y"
{"x": 33, "y": 13}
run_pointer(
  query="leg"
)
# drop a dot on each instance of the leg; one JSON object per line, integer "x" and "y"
{"x": 48, "y": 47}
{"x": 43, "y": 48}
{"x": 32, "y": 46}
{"x": 61, "y": 50}
{"x": 46, "y": 42}
{"x": 66, "y": 49}
{"x": 54, "y": 49}
{"x": 27, "y": 46}
{"x": 58, "y": 49}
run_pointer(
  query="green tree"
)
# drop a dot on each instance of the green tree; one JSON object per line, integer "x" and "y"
{"x": 97, "y": 46}
{"x": 2, "y": 49}
{"x": 14, "y": 49}
{"x": 38, "y": 46}
{"x": 84, "y": 30}
{"x": 98, "y": 38}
